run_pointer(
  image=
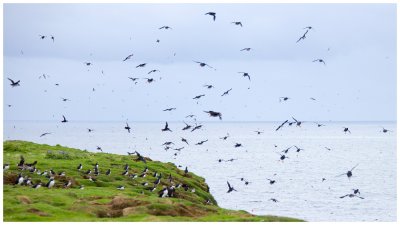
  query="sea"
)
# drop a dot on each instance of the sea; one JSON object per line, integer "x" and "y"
{"x": 307, "y": 183}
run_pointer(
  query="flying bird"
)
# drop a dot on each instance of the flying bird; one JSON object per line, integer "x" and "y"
{"x": 149, "y": 80}
{"x": 44, "y": 134}
{"x": 298, "y": 123}
{"x": 320, "y": 60}
{"x": 165, "y": 27}
{"x": 127, "y": 128}
{"x": 351, "y": 196}
{"x": 186, "y": 127}
{"x": 52, "y": 38}
{"x": 169, "y": 109}
{"x": 230, "y": 188}
{"x": 166, "y": 127}
{"x": 202, "y": 64}
{"x": 13, "y": 83}
{"x": 346, "y": 129}
{"x": 214, "y": 114}
{"x": 64, "y": 120}
{"x": 302, "y": 37}
{"x": 226, "y": 92}
{"x": 283, "y": 98}
{"x": 201, "y": 142}
{"x": 128, "y": 57}
{"x": 208, "y": 86}
{"x": 349, "y": 173}
{"x": 42, "y": 36}
{"x": 199, "y": 96}
{"x": 238, "y": 23}
{"x": 141, "y": 65}
{"x": 281, "y": 125}
{"x": 245, "y": 74}
{"x": 153, "y": 71}
{"x": 213, "y": 14}
{"x": 245, "y": 49}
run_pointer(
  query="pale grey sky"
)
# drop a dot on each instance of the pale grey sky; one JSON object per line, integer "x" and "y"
{"x": 357, "y": 41}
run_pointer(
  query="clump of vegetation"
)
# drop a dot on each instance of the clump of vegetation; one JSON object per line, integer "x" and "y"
{"x": 100, "y": 200}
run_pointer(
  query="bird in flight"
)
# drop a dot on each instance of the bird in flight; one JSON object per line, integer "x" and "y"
{"x": 245, "y": 49}
{"x": 258, "y": 132}
{"x": 201, "y": 142}
{"x": 127, "y": 127}
{"x": 169, "y": 109}
{"x": 214, "y": 114}
{"x": 203, "y": 64}
{"x": 283, "y": 98}
{"x": 245, "y": 74}
{"x": 153, "y": 71}
{"x": 128, "y": 57}
{"x": 230, "y": 188}
{"x": 225, "y": 137}
{"x": 319, "y": 60}
{"x": 385, "y": 130}
{"x": 42, "y": 36}
{"x": 141, "y": 65}
{"x": 351, "y": 196}
{"x": 280, "y": 126}
{"x": 346, "y": 129}
{"x": 64, "y": 120}
{"x": 213, "y": 14}
{"x": 13, "y": 83}
{"x": 199, "y": 96}
{"x": 298, "y": 123}
{"x": 208, "y": 86}
{"x": 52, "y": 38}
{"x": 349, "y": 173}
{"x": 226, "y": 92}
{"x": 65, "y": 99}
{"x": 44, "y": 134}
{"x": 302, "y": 37}
{"x": 308, "y": 28}
{"x": 133, "y": 78}
{"x": 238, "y": 23}
{"x": 186, "y": 127}
{"x": 320, "y": 124}
{"x": 149, "y": 80}
{"x": 165, "y": 27}
{"x": 88, "y": 63}
{"x": 196, "y": 127}
{"x": 166, "y": 127}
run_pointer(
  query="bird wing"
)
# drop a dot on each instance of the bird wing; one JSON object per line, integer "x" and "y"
{"x": 229, "y": 185}
{"x": 344, "y": 196}
{"x": 11, "y": 80}
{"x": 354, "y": 167}
{"x": 64, "y": 117}
{"x": 166, "y": 125}
{"x": 295, "y": 119}
{"x": 341, "y": 174}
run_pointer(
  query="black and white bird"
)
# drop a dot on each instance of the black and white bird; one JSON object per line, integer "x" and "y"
{"x": 125, "y": 173}
{"x": 108, "y": 172}
{"x": 6, "y": 167}
{"x": 37, "y": 186}
{"x": 213, "y": 14}
{"x": 166, "y": 127}
{"x": 19, "y": 180}
{"x": 230, "y": 188}
{"x": 163, "y": 193}
{"x": 13, "y": 83}
{"x": 79, "y": 167}
{"x": 68, "y": 184}
{"x": 51, "y": 183}
{"x": 126, "y": 167}
{"x": 120, "y": 187}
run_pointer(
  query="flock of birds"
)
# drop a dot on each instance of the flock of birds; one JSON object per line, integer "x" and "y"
{"x": 168, "y": 191}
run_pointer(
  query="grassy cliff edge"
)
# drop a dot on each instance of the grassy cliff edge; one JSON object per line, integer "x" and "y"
{"x": 100, "y": 200}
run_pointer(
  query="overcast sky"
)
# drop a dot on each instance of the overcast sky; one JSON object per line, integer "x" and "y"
{"x": 357, "y": 42}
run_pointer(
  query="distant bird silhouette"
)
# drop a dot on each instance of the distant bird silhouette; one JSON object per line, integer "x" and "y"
{"x": 302, "y": 37}
{"x": 213, "y": 14}
{"x": 196, "y": 127}
{"x": 42, "y": 36}
{"x": 230, "y": 188}
{"x": 191, "y": 116}
{"x": 186, "y": 127}
{"x": 208, "y": 86}
{"x": 169, "y": 109}
{"x": 149, "y": 80}
{"x": 351, "y": 196}
{"x": 166, "y": 127}
{"x": 225, "y": 137}
{"x": 245, "y": 49}
{"x": 349, "y": 173}
{"x": 214, "y": 114}
{"x": 133, "y": 78}
{"x": 320, "y": 60}
{"x": 184, "y": 140}
{"x": 328, "y": 149}
{"x": 201, "y": 142}
{"x": 319, "y": 124}
{"x": 99, "y": 148}
{"x": 153, "y": 71}
{"x": 89, "y": 130}
{"x": 158, "y": 41}
{"x": 280, "y": 126}
{"x": 345, "y": 130}
{"x": 258, "y": 132}
{"x": 283, "y": 98}
{"x": 52, "y": 38}
{"x": 308, "y": 28}
{"x": 65, "y": 99}
{"x": 165, "y": 27}
{"x": 226, "y": 92}
{"x": 13, "y": 83}
{"x": 237, "y": 145}
{"x": 44, "y": 134}
{"x": 199, "y": 96}
{"x": 245, "y": 74}
{"x": 356, "y": 191}
{"x": 141, "y": 65}
{"x": 127, "y": 128}
{"x": 298, "y": 123}
{"x": 385, "y": 130}
{"x": 238, "y": 23}
{"x": 313, "y": 99}
{"x": 128, "y": 57}
{"x": 88, "y": 63}
{"x": 202, "y": 64}
{"x": 271, "y": 181}
{"x": 64, "y": 120}
{"x": 273, "y": 199}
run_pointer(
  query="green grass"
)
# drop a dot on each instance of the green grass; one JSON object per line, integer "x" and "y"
{"x": 100, "y": 200}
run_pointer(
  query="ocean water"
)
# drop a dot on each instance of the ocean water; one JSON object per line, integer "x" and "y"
{"x": 299, "y": 188}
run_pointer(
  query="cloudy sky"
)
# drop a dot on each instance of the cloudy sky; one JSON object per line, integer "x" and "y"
{"x": 357, "y": 42}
